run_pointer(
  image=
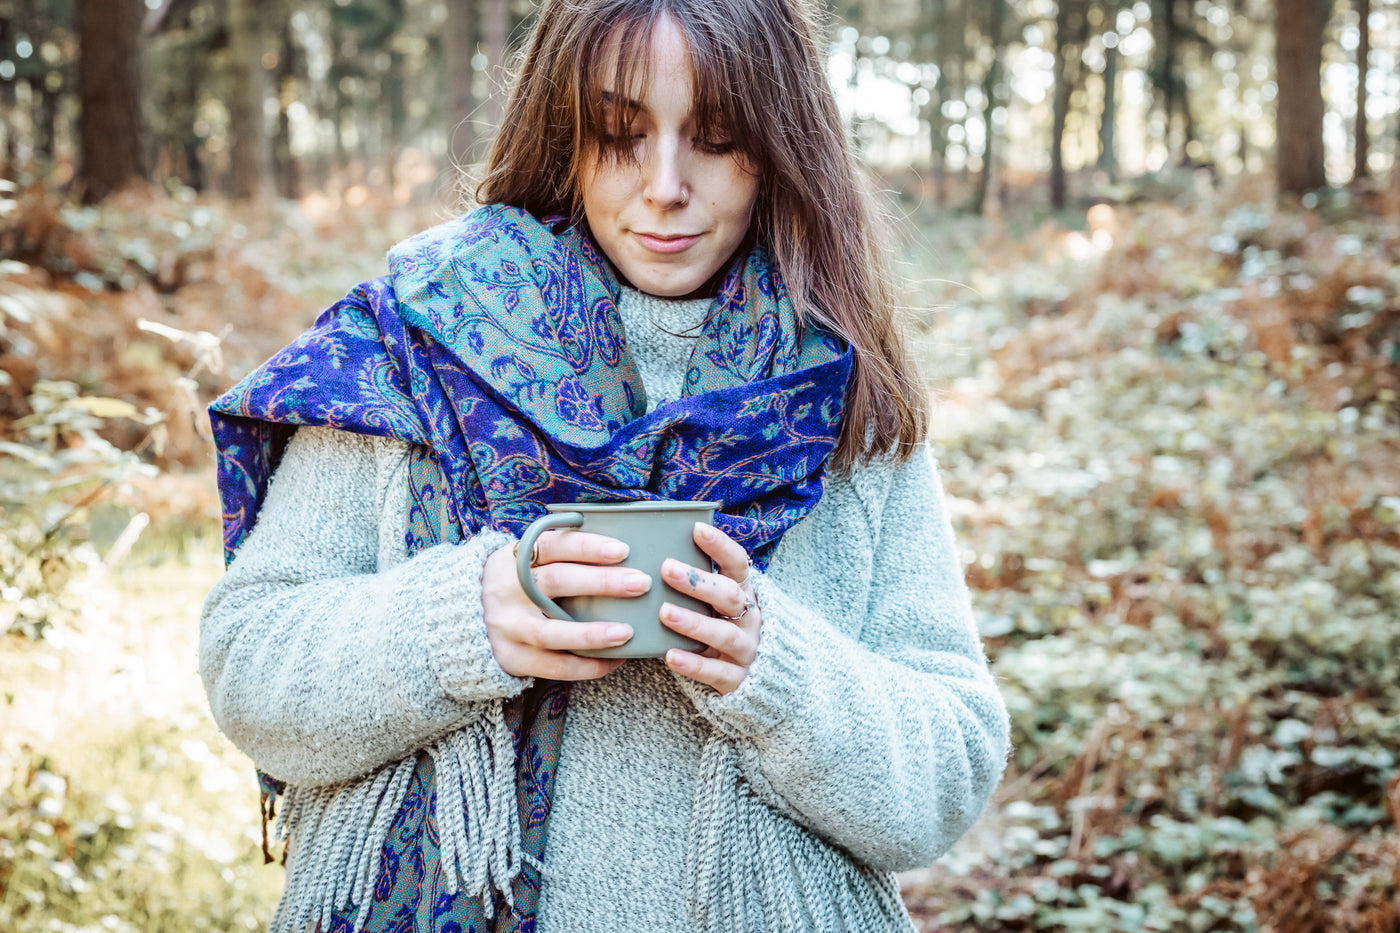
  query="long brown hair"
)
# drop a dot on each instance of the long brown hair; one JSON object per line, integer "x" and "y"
{"x": 757, "y": 70}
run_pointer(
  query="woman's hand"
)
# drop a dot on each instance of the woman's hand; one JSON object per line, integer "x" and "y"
{"x": 733, "y": 636}
{"x": 525, "y": 642}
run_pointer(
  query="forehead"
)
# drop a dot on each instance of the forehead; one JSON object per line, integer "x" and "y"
{"x": 641, "y": 58}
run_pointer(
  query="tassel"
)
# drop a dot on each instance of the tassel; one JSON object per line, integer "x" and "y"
{"x": 336, "y": 833}
{"x": 478, "y": 821}
{"x": 754, "y": 870}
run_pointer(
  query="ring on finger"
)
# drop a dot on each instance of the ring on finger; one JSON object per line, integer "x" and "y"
{"x": 748, "y": 604}
{"x": 748, "y": 576}
{"x": 534, "y": 552}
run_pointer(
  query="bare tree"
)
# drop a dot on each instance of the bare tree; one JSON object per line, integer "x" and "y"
{"x": 113, "y": 150}
{"x": 996, "y": 20}
{"x": 1363, "y": 54}
{"x": 285, "y": 165}
{"x": 1071, "y": 29}
{"x": 248, "y": 147}
{"x": 495, "y": 23}
{"x": 1298, "y": 26}
{"x": 1108, "y": 119}
{"x": 460, "y": 46}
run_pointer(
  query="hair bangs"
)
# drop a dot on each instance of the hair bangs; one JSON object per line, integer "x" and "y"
{"x": 723, "y": 102}
{"x": 613, "y": 66}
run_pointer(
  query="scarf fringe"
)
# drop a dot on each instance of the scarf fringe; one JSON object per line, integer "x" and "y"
{"x": 756, "y": 871}
{"x": 336, "y": 833}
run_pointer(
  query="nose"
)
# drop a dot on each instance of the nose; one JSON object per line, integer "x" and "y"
{"x": 665, "y": 168}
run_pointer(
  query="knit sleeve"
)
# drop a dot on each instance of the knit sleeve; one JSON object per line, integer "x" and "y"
{"x": 869, "y": 715}
{"x": 318, "y": 663}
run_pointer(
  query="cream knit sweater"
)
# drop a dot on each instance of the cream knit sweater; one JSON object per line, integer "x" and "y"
{"x": 865, "y": 740}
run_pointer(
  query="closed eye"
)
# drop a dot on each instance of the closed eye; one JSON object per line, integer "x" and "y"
{"x": 714, "y": 146}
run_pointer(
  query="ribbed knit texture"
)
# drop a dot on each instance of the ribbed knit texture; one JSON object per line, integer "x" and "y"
{"x": 866, "y": 738}
{"x": 661, "y": 334}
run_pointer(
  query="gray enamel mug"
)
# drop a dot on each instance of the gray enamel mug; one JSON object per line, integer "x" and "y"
{"x": 652, "y": 531}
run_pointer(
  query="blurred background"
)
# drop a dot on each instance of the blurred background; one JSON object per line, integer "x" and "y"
{"x": 1152, "y": 257}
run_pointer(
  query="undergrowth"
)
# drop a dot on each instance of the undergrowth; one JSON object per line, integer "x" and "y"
{"x": 1172, "y": 450}
{"x": 1178, "y": 475}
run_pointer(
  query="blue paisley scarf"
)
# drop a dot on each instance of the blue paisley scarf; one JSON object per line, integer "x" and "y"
{"x": 494, "y": 348}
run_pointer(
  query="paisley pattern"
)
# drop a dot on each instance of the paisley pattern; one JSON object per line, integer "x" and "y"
{"x": 494, "y": 347}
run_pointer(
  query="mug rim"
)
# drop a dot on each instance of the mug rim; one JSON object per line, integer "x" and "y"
{"x": 640, "y": 505}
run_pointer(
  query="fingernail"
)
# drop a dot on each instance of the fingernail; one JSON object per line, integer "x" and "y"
{"x": 619, "y": 633}
{"x": 637, "y": 582}
{"x": 706, "y": 531}
{"x": 673, "y": 658}
{"x": 615, "y": 550}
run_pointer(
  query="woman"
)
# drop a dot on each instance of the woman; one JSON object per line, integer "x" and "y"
{"x": 612, "y": 325}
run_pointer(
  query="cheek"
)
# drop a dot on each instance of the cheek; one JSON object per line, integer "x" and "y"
{"x": 604, "y": 188}
{"x": 742, "y": 206}
{"x": 741, "y": 188}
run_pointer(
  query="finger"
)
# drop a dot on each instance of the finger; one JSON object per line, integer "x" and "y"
{"x": 723, "y": 675}
{"x": 725, "y": 637}
{"x": 570, "y": 579}
{"x": 729, "y": 555}
{"x": 580, "y": 547}
{"x": 559, "y": 635}
{"x": 719, "y": 590}
{"x": 558, "y": 665}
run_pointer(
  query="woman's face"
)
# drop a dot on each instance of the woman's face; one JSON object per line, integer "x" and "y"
{"x": 670, "y": 217}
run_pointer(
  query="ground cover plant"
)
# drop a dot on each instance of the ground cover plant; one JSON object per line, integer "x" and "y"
{"x": 1173, "y": 439}
{"x": 1170, "y": 438}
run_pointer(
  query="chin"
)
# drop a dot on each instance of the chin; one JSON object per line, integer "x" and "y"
{"x": 669, "y": 287}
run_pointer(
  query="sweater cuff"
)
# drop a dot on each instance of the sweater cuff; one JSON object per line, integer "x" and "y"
{"x": 458, "y": 651}
{"x": 777, "y": 680}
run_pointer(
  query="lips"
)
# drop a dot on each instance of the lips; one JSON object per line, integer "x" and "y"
{"x": 667, "y": 243}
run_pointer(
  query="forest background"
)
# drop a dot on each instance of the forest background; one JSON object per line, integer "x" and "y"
{"x": 1154, "y": 261}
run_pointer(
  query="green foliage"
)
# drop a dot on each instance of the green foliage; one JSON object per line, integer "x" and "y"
{"x": 121, "y": 807}
{"x": 141, "y": 852}
{"x": 1177, "y": 467}
{"x": 57, "y": 467}
{"x": 1170, "y": 442}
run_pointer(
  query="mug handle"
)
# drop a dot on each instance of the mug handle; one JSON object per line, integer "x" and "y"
{"x": 527, "y": 548}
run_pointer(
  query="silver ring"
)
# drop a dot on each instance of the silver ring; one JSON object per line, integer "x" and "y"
{"x": 748, "y": 575}
{"x": 748, "y": 604}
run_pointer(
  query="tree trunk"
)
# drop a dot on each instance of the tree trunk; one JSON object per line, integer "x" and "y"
{"x": 1175, "y": 86}
{"x": 10, "y": 152}
{"x": 288, "y": 171}
{"x": 935, "y": 20}
{"x": 1299, "y": 156}
{"x": 1188, "y": 126}
{"x": 338, "y": 101}
{"x": 248, "y": 149}
{"x": 394, "y": 99}
{"x": 495, "y": 21}
{"x": 460, "y": 46}
{"x": 1163, "y": 69}
{"x": 956, "y": 59}
{"x": 1060, "y": 104}
{"x": 1108, "y": 120}
{"x": 112, "y": 150}
{"x": 996, "y": 17}
{"x": 1363, "y": 54}
{"x": 46, "y": 128}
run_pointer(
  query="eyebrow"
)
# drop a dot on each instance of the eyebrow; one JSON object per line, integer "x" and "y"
{"x": 614, "y": 99}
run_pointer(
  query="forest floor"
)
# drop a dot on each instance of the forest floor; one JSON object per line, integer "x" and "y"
{"x": 1170, "y": 438}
